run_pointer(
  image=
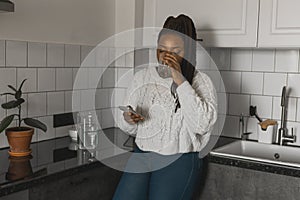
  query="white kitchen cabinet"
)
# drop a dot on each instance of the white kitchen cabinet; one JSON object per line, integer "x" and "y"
{"x": 220, "y": 23}
{"x": 279, "y": 23}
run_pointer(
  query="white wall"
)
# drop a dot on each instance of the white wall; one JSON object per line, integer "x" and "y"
{"x": 59, "y": 21}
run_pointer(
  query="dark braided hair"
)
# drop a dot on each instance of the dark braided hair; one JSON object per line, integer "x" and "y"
{"x": 184, "y": 25}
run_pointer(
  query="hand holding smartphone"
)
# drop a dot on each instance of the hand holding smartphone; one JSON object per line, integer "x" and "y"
{"x": 131, "y": 116}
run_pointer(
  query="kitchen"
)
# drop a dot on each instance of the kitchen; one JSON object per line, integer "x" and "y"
{"x": 251, "y": 50}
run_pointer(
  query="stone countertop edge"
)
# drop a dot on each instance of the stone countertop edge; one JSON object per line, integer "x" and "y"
{"x": 26, "y": 184}
{"x": 258, "y": 166}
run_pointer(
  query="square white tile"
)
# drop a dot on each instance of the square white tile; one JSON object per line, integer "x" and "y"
{"x": 37, "y": 104}
{"x": 95, "y": 75}
{"x": 72, "y": 55}
{"x": 2, "y": 53}
{"x": 252, "y": 82}
{"x": 273, "y": 83}
{"x": 109, "y": 77}
{"x": 16, "y": 54}
{"x": 7, "y": 77}
{"x": 239, "y": 104}
{"x": 107, "y": 119}
{"x": 263, "y": 105}
{"x": 286, "y": 60}
{"x": 55, "y": 103}
{"x": 37, "y": 54}
{"x": 101, "y": 98}
{"x": 55, "y": 55}
{"x": 241, "y": 59}
{"x": 103, "y": 57}
{"x": 293, "y": 84}
{"x": 50, "y": 133}
{"x": 222, "y": 102}
{"x": 46, "y": 79}
{"x": 129, "y": 57}
{"x": 221, "y": 58}
{"x": 263, "y": 60}
{"x": 232, "y": 81}
{"x": 231, "y": 127}
{"x": 64, "y": 79}
{"x": 30, "y": 74}
{"x": 120, "y": 57}
{"x": 125, "y": 77}
{"x": 72, "y": 101}
{"x": 118, "y": 96}
{"x": 80, "y": 78}
{"x": 87, "y": 99}
{"x": 85, "y": 50}
{"x": 203, "y": 59}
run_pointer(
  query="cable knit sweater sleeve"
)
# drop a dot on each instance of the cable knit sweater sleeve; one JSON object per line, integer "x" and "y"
{"x": 198, "y": 103}
{"x": 131, "y": 99}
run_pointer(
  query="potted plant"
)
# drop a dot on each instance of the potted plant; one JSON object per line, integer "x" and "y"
{"x": 19, "y": 138}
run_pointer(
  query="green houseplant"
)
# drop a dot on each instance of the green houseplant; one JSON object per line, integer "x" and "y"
{"x": 19, "y": 138}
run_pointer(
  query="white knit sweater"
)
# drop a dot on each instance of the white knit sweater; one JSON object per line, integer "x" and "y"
{"x": 164, "y": 131}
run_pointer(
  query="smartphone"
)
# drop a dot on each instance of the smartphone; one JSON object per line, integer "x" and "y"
{"x": 129, "y": 109}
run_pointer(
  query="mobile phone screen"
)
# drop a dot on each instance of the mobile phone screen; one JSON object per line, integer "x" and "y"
{"x": 128, "y": 109}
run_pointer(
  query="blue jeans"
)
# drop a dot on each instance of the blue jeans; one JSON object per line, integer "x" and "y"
{"x": 175, "y": 181}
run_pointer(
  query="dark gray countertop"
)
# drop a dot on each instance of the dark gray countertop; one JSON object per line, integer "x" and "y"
{"x": 52, "y": 160}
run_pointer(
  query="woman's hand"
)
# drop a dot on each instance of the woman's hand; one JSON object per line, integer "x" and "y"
{"x": 132, "y": 118}
{"x": 172, "y": 62}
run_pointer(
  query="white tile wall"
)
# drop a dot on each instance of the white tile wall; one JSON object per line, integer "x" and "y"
{"x": 239, "y": 104}
{"x": 30, "y": 74}
{"x": 273, "y": 83}
{"x": 232, "y": 81}
{"x": 263, "y": 105}
{"x": 293, "y": 84}
{"x": 72, "y": 55}
{"x": 16, "y": 54}
{"x": 55, "y": 55}
{"x": 241, "y": 59}
{"x": 37, "y": 54}
{"x": 55, "y": 103}
{"x": 263, "y": 74}
{"x": 286, "y": 60}
{"x": 263, "y": 60}
{"x": 221, "y": 57}
{"x": 51, "y": 70}
{"x": 64, "y": 79}
{"x": 36, "y": 104}
{"x": 2, "y": 53}
{"x": 251, "y": 76}
{"x": 252, "y": 82}
{"x": 46, "y": 79}
{"x": 7, "y": 77}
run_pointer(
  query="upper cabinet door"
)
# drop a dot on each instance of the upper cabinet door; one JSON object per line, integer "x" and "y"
{"x": 220, "y": 23}
{"x": 279, "y": 23}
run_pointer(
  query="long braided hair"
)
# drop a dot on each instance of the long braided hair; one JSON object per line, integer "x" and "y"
{"x": 184, "y": 25}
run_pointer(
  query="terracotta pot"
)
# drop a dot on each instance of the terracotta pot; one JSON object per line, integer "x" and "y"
{"x": 19, "y": 168}
{"x": 19, "y": 139}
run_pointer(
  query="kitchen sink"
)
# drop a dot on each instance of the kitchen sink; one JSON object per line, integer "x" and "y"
{"x": 254, "y": 151}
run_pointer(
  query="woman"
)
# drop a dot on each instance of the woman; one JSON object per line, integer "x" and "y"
{"x": 175, "y": 119}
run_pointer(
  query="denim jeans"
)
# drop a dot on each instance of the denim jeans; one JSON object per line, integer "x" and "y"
{"x": 175, "y": 181}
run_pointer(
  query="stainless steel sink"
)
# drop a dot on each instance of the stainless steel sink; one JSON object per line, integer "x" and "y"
{"x": 254, "y": 151}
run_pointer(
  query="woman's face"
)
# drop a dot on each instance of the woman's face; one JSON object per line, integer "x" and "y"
{"x": 170, "y": 44}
